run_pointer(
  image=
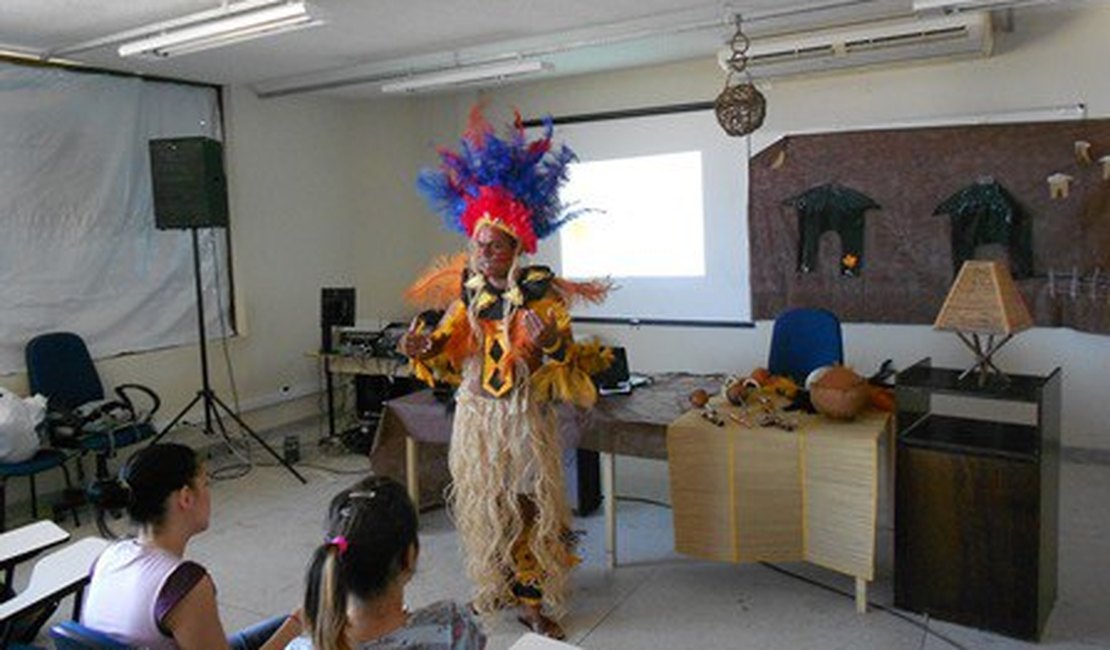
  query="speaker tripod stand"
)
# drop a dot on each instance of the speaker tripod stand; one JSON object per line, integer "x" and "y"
{"x": 212, "y": 403}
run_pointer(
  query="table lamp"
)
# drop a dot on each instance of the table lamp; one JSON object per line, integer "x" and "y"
{"x": 984, "y": 301}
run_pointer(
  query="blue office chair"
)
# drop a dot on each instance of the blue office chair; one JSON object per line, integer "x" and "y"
{"x": 43, "y": 460}
{"x": 804, "y": 340}
{"x": 71, "y": 635}
{"x": 59, "y": 366}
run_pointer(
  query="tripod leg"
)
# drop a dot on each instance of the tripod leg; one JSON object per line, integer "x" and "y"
{"x": 243, "y": 425}
{"x": 176, "y": 419}
{"x": 219, "y": 420}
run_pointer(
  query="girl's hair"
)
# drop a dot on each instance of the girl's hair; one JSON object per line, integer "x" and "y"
{"x": 371, "y": 527}
{"x": 145, "y": 481}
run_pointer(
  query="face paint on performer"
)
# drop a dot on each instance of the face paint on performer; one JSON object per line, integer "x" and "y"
{"x": 494, "y": 252}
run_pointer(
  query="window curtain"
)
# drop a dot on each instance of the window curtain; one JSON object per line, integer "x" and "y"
{"x": 78, "y": 247}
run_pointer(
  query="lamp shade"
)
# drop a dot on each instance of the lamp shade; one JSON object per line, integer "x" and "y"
{"x": 984, "y": 300}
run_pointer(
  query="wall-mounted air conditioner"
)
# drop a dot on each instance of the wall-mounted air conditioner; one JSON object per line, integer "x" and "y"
{"x": 961, "y": 34}
{"x": 953, "y": 6}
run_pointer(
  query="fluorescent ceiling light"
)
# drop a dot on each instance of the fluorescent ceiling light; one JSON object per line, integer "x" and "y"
{"x": 464, "y": 75}
{"x": 234, "y": 24}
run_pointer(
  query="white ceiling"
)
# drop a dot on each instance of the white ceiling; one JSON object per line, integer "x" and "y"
{"x": 376, "y": 39}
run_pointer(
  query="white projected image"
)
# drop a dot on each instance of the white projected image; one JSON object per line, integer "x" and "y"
{"x": 649, "y": 220}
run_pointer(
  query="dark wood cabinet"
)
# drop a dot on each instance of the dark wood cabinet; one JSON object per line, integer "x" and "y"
{"x": 976, "y": 499}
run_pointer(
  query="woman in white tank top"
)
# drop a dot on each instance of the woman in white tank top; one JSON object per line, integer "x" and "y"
{"x": 143, "y": 592}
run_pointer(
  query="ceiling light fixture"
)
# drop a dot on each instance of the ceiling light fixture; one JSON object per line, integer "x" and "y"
{"x": 465, "y": 75}
{"x": 231, "y": 24}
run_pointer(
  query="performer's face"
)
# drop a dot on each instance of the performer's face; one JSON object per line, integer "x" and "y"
{"x": 494, "y": 251}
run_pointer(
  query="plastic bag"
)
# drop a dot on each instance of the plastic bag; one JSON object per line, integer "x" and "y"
{"x": 19, "y": 420}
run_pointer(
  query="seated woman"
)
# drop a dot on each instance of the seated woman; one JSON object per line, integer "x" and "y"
{"x": 355, "y": 588}
{"x": 143, "y": 592}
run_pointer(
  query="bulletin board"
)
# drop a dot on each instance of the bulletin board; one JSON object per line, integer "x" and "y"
{"x": 895, "y": 260}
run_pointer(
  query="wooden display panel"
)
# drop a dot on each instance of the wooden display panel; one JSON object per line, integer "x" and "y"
{"x": 768, "y": 495}
{"x": 841, "y": 492}
{"x": 704, "y": 520}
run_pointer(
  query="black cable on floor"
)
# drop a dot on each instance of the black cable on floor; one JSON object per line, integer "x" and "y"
{"x": 797, "y": 576}
{"x": 650, "y": 502}
{"x": 335, "y": 470}
{"x": 883, "y": 608}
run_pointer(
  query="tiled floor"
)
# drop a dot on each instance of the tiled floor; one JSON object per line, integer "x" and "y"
{"x": 266, "y": 523}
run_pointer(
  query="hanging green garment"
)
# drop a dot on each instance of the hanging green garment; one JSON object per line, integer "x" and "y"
{"x": 831, "y": 207}
{"x": 985, "y": 213}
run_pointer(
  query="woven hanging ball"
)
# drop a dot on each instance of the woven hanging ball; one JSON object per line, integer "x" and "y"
{"x": 740, "y": 109}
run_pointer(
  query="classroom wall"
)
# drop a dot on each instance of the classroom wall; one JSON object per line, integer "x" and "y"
{"x": 1052, "y": 57}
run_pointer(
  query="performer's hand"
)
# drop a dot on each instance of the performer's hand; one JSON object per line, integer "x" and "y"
{"x": 543, "y": 333}
{"x": 415, "y": 344}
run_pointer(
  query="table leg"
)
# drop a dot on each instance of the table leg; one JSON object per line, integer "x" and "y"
{"x": 609, "y": 494}
{"x": 411, "y": 477}
{"x": 861, "y": 596}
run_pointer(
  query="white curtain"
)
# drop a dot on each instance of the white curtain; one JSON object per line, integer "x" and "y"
{"x": 78, "y": 248}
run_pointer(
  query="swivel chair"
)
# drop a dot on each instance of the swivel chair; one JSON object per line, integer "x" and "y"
{"x": 78, "y": 416}
{"x": 802, "y": 341}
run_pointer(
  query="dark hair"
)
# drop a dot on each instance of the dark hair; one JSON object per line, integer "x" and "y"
{"x": 148, "y": 477}
{"x": 371, "y": 527}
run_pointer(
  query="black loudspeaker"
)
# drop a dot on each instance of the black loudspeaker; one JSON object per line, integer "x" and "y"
{"x": 190, "y": 188}
{"x": 337, "y": 309}
{"x": 337, "y": 306}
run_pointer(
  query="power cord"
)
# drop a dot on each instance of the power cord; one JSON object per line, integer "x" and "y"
{"x": 245, "y": 464}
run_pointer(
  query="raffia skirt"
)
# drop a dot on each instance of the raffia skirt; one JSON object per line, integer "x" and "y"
{"x": 503, "y": 452}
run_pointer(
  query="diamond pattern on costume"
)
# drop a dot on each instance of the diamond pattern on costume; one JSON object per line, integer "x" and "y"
{"x": 497, "y": 375}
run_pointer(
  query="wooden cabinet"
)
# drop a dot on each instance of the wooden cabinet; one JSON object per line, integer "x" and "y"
{"x": 976, "y": 499}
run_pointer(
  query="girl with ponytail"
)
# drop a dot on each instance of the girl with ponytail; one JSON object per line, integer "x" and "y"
{"x": 354, "y": 593}
{"x": 143, "y": 592}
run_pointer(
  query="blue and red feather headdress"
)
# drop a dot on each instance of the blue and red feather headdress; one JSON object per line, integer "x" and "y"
{"x": 508, "y": 181}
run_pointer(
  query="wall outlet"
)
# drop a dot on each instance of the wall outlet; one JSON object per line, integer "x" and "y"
{"x": 291, "y": 448}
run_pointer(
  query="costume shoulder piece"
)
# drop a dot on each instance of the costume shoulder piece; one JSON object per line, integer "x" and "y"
{"x": 440, "y": 284}
{"x": 535, "y": 281}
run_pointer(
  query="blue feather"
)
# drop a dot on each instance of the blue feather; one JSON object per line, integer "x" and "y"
{"x": 533, "y": 177}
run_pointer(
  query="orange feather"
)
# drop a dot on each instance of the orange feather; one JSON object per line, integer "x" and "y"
{"x": 591, "y": 291}
{"x": 440, "y": 284}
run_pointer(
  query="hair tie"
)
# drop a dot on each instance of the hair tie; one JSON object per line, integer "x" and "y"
{"x": 339, "y": 542}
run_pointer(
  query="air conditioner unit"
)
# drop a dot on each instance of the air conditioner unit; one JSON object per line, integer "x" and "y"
{"x": 962, "y": 34}
{"x": 953, "y": 6}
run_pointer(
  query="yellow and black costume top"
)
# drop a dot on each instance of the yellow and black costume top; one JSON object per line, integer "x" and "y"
{"x": 560, "y": 371}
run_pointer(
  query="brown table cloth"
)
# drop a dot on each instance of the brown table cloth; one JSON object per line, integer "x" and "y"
{"x": 628, "y": 425}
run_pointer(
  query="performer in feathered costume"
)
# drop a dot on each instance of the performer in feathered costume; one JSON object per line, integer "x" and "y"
{"x": 505, "y": 339}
